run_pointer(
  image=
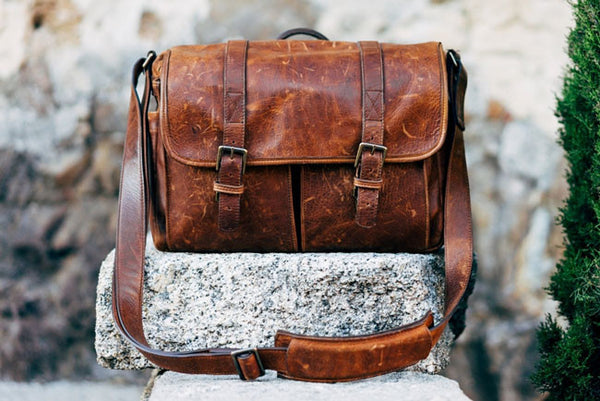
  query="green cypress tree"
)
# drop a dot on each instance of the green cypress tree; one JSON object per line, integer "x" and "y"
{"x": 569, "y": 367}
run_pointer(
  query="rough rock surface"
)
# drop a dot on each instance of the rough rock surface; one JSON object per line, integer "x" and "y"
{"x": 404, "y": 386}
{"x": 194, "y": 301}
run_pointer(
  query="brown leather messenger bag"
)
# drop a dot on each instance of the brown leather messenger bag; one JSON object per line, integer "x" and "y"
{"x": 296, "y": 145}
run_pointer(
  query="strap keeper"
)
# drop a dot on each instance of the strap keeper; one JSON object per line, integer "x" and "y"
{"x": 227, "y": 189}
{"x": 248, "y": 364}
{"x": 369, "y": 184}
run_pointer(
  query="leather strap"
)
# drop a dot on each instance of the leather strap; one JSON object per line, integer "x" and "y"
{"x": 306, "y": 358}
{"x": 302, "y": 31}
{"x": 371, "y": 152}
{"x": 232, "y": 155}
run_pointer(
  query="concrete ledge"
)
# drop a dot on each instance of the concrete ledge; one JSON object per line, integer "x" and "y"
{"x": 404, "y": 386}
{"x": 196, "y": 301}
{"x": 64, "y": 390}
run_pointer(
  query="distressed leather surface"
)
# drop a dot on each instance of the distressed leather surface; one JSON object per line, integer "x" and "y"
{"x": 348, "y": 358}
{"x": 304, "y": 101}
{"x": 301, "y": 114}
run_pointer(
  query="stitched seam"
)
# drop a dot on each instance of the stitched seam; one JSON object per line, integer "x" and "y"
{"x": 362, "y": 90}
{"x": 292, "y": 213}
{"x": 164, "y": 107}
{"x": 443, "y": 119}
{"x": 245, "y": 62}
{"x": 381, "y": 335}
{"x": 466, "y": 182}
{"x": 382, "y": 85}
{"x": 225, "y": 56}
{"x": 142, "y": 233}
{"x": 441, "y": 192}
{"x": 427, "y": 206}
{"x": 302, "y": 208}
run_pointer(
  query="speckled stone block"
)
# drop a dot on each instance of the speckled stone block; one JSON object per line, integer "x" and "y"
{"x": 194, "y": 301}
{"x": 402, "y": 386}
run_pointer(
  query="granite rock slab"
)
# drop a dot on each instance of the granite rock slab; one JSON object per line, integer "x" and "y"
{"x": 194, "y": 301}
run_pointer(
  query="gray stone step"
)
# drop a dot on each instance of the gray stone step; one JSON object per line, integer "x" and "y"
{"x": 65, "y": 391}
{"x": 403, "y": 386}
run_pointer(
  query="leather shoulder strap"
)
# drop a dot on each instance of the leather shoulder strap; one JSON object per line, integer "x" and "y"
{"x": 299, "y": 357}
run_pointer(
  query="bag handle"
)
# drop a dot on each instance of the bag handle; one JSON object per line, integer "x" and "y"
{"x": 320, "y": 359}
{"x": 302, "y": 31}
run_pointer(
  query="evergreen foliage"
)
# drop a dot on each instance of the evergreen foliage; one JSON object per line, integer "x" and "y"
{"x": 569, "y": 368}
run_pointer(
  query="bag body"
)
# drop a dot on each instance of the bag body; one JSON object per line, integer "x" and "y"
{"x": 306, "y": 108}
{"x": 283, "y": 146}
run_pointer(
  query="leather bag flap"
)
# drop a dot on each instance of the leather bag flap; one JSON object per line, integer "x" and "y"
{"x": 303, "y": 102}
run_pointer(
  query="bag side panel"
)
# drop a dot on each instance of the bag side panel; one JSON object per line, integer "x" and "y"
{"x": 434, "y": 178}
{"x": 157, "y": 197}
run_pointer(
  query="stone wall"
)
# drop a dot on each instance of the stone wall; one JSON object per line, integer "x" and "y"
{"x": 63, "y": 103}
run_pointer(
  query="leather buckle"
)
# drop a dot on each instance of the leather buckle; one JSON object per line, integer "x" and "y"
{"x": 373, "y": 147}
{"x": 252, "y": 351}
{"x": 232, "y": 150}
